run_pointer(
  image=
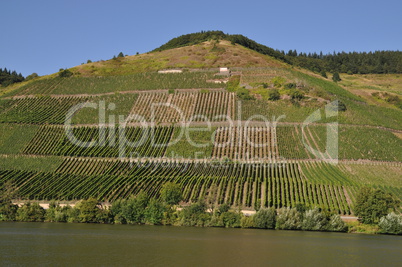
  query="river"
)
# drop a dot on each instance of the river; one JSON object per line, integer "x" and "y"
{"x": 36, "y": 244}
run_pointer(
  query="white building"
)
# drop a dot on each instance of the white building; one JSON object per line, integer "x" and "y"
{"x": 170, "y": 71}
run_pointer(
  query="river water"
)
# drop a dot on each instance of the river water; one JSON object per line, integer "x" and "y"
{"x": 52, "y": 244}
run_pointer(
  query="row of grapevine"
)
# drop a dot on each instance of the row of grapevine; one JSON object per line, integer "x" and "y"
{"x": 39, "y": 110}
{"x": 45, "y": 141}
{"x": 183, "y": 106}
{"x": 100, "y": 142}
{"x": 246, "y": 143}
{"x": 98, "y": 85}
{"x": 246, "y": 185}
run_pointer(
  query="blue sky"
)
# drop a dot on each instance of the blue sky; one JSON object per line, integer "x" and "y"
{"x": 44, "y": 36}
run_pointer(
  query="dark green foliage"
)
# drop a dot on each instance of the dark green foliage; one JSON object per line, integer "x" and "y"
{"x": 133, "y": 209}
{"x": 65, "y": 73}
{"x": 372, "y": 204}
{"x": 336, "y": 77}
{"x": 290, "y": 86}
{"x": 194, "y": 215}
{"x": 7, "y": 193}
{"x": 352, "y": 62}
{"x": 120, "y": 54}
{"x": 171, "y": 193}
{"x": 30, "y": 212}
{"x": 56, "y": 213}
{"x": 88, "y": 210}
{"x": 244, "y": 94}
{"x": 32, "y": 76}
{"x": 273, "y": 95}
{"x": 324, "y": 74}
{"x": 297, "y": 95}
{"x": 191, "y": 39}
{"x": 8, "y": 77}
{"x": 265, "y": 218}
{"x": 154, "y": 212}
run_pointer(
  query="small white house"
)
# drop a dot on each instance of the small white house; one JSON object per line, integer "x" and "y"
{"x": 170, "y": 71}
{"x": 224, "y": 71}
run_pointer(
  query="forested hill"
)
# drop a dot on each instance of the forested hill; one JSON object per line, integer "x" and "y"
{"x": 377, "y": 62}
{"x": 8, "y": 77}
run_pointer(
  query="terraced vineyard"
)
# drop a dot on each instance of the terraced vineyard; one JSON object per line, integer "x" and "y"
{"x": 38, "y": 110}
{"x": 99, "y": 85}
{"x": 244, "y": 185}
{"x": 181, "y": 107}
{"x": 246, "y": 143}
{"x": 248, "y": 165}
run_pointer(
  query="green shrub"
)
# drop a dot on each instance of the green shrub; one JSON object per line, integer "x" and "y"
{"x": 244, "y": 94}
{"x": 288, "y": 219}
{"x": 391, "y": 224}
{"x": 247, "y": 222}
{"x": 372, "y": 204}
{"x": 297, "y": 95}
{"x": 274, "y": 95}
{"x": 65, "y": 73}
{"x": 171, "y": 193}
{"x": 314, "y": 220}
{"x": 265, "y": 218}
{"x": 154, "y": 212}
{"x": 30, "y": 212}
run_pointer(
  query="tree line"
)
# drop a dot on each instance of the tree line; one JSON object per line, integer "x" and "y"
{"x": 372, "y": 207}
{"x": 377, "y": 62}
{"x": 8, "y": 77}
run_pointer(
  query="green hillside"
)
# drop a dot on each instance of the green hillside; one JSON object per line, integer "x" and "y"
{"x": 263, "y": 134}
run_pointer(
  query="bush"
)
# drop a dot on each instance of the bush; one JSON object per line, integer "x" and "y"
{"x": 65, "y": 73}
{"x": 278, "y": 81}
{"x": 336, "y": 77}
{"x": 247, "y": 222}
{"x": 296, "y": 95}
{"x": 32, "y": 76}
{"x": 244, "y": 94}
{"x": 336, "y": 224}
{"x": 194, "y": 215}
{"x": 372, "y": 204}
{"x": 133, "y": 209}
{"x": 391, "y": 224}
{"x": 288, "y": 219}
{"x": 314, "y": 220}
{"x": 154, "y": 212}
{"x": 171, "y": 193}
{"x": 265, "y": 218}
{"x": 274, "y": 95}
{"x": 56, "y": 213}
{"x": 88, "y": 210}
{"x": 290, "y": 85}
{"x": 30, "y": 212}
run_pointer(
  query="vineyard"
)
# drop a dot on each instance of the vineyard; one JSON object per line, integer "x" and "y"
{"x": 244, "y": 185}
{"x": 246, "y": 143}
{"x": 38, "y": 110}
{"x": 99, "y": 85}
{"x": 179, "y": 107}
{"x": 167, "y": 139}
